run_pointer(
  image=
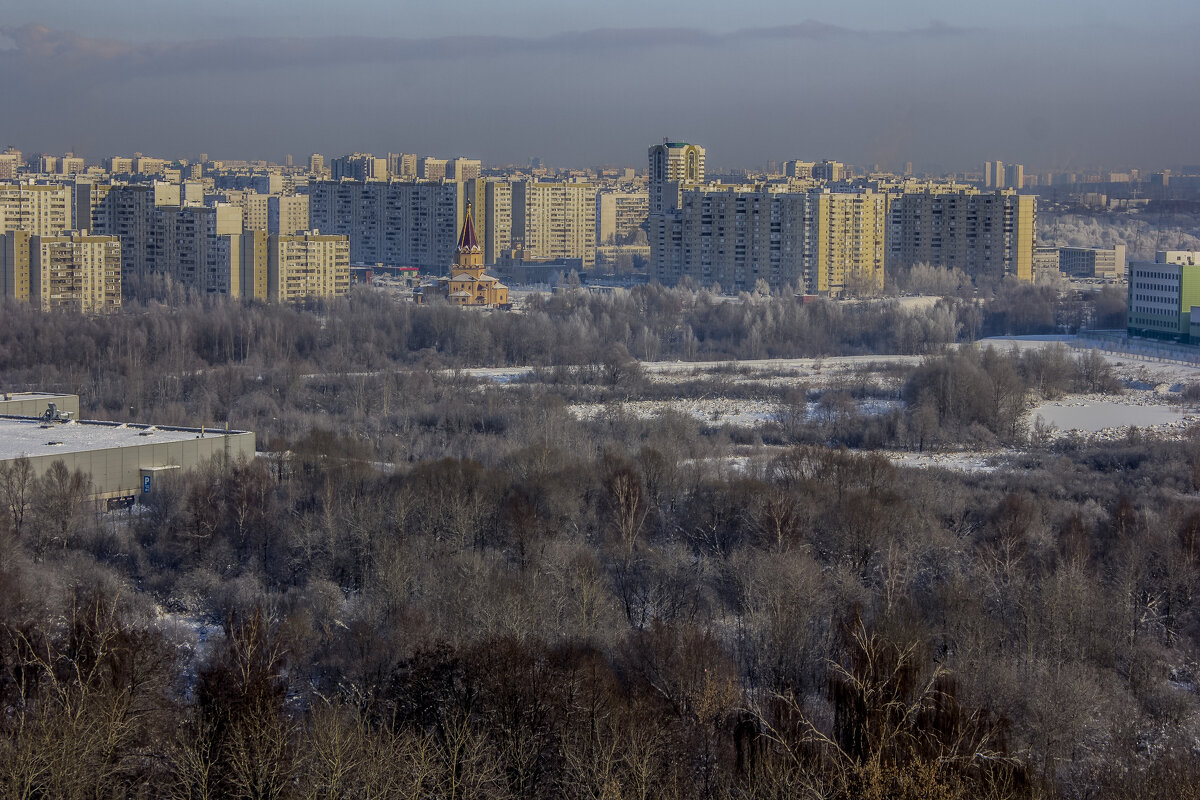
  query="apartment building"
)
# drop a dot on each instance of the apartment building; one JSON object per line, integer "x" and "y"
{"x": 619, "y": 215}
{"x": 985, "y": 234}
{"x": 496, "y": 218}
{"x": 850, "y": 241}
{"x": 287, "y": 214}
{"x": 396, "y": 223}
{"x": 464, "y": 169}
{"x": 359, "y": 167}
{"x": 673, "y": 165}
{"x": 554, "y": 220}
{"x": 432, "y": 169}
{"x": 41, "y": 209}
{"x": 71, "y": 271}
{"x": 199, "y": 247}
{"x": 291, "y": 268}
{"x": 817, "y": 241}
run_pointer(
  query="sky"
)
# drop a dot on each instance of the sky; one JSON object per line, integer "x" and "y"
{"x": 945, "y": 85}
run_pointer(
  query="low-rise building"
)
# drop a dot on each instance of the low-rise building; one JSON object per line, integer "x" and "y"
{"x": 1163, "y": 296}
{"x": 1093, "y": 262}
{"x": 123, "y": 460}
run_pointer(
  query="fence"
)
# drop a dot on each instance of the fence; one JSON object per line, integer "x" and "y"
{"x": 1119, "y": 343}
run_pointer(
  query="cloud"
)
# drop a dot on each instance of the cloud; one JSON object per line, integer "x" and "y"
{"x": 35, "y": 45}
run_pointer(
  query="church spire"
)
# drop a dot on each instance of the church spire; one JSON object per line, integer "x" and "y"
{"x": 467, "y": 243}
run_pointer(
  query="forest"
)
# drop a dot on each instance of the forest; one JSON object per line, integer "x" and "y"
{"x": 432, "y": 584}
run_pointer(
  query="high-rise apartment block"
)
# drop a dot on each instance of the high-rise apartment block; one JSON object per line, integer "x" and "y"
{"x": 72, "y": 271}
{"x": 816, "y": 241}
{"x": 359, "y": 167}
{"x": 619, "y": 215}
{"x": 985, "y": 234}
{"x": 1014, "y": 177}
{"x": 287, "y": 214}
{"x": 829, "y": 171}
{"x": 70, "y": 164}
{"x": 401, "y": 224}
{"x": 44, "y": 210}
{"x": 673, "y": 166}
{"x": 431, "y": 169}
{"x": 256, "y": 210}
{"x": 993, "y": 174}
{"x": 850, "y": 241}
{"x": 464, "y": 169}
{"x": 294, "y": 267}
{"x": 10, "y": 165}
{"x": 129, "y": 211}
{"x": 14, "y": 264}
{"x": 198, "y": 247}
{"x": 800, "y": 170}
{"x": 552, "y": 220}
{"x": 496, "y": 217}
{"x": 402, "y": 165}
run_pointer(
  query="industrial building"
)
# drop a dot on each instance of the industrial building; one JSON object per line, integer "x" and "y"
{"x": 34, "y": 404}
{"x": 124, "y": 460}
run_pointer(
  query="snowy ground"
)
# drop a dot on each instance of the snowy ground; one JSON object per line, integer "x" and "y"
{"x": 1149, "y": 402}
{"x": 713, "y": 411}
{"x": 961, "y": 460}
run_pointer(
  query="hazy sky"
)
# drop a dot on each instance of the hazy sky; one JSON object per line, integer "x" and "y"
{"x": 574, "y": 82}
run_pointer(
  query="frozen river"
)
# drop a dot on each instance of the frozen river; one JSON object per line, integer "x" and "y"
{"x": 1097, "y": 415}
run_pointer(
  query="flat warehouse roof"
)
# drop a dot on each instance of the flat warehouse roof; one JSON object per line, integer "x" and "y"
{"x": 22, "y": 436}
{"x": 12, "y": 396}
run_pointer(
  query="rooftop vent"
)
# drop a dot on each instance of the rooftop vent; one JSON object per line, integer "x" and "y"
{"x": 52, "y": 414}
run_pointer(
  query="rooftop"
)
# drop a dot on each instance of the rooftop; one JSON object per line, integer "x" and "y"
{"x": 23, "y": 436}
{"x": 14, "y": 396}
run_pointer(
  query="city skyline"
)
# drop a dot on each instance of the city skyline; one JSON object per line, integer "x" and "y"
{"x": 937, "y": 85}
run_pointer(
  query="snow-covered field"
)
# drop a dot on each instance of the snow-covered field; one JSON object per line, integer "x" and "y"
{"x": 715, "y": 411}
{"x": 1149, "y": 402}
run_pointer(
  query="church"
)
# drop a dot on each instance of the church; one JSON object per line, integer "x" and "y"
{"x": 467, "y": 284}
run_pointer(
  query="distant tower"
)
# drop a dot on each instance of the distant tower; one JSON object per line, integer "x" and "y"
{"x": 673, "y": 163}
{"x": 993, "y": 175}
{"x": 1015, "y": 178}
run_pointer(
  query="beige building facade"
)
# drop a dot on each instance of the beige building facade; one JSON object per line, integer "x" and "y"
{"x": 294, "y": 267}
{"x": 673, "y": 165}
{"x": 73, "y": 271}
{"x": 619, "y": 215}
{"x": 45, "y": 210}
{"x": 552, "y": 220}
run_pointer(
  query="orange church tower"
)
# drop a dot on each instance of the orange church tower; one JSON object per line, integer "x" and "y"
{"x": 468, "y": 284}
